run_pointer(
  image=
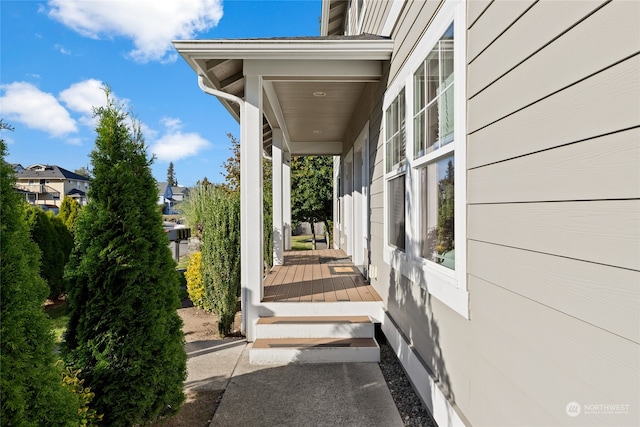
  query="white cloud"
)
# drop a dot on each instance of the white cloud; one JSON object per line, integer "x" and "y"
{"x": 177, "y": 145}
{"x": 150, "y": 24}
{"x": 73, "y": 141}
{"x": 84, "y": 96}
{"x": 25, "y": 103}
{"x": 148, "y": 132}
{"x": 61, "y": 49}
{"x": 171, "y": 123}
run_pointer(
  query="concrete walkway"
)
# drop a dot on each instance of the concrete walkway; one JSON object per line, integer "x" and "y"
{"x": 341, "y": 394}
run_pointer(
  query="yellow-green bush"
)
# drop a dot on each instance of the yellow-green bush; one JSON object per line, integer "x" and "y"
{"x": 195, "y": 285}
{"x": 87, "y": 417}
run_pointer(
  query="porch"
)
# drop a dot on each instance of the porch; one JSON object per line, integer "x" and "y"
{"x": 325, "y": 275}
{"x": 316, "y": 307}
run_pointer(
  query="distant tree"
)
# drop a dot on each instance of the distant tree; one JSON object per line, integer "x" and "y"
{"x": 312, "y": 191}
{"x": 205, "y": 182}
{"x": 232, "y": 166}
{"x": 69, "y": 211}
{"x": 31, "y": 390}
{"x": 55, "y": 242}
{"x": 124, "y": 331}
{"x": 171, "y": 176}
{"x": 84, "y": 171}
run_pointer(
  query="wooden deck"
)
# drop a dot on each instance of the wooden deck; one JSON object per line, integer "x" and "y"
{"x": 326, "y": 275}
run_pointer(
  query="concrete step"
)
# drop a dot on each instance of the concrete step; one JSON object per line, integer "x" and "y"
{"x": 268, "y": 351}
{"x": 315, "y": 327}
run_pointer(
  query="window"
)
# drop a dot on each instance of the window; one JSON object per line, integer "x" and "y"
{"x": 395, "y": 135}
{"x": 425, "y": 183}
{"x": 433, "y": 127}
{"x": 433, "y": 98}
{"x": 396, "y": 216}
{"x": 354, "y": 17}
{"x": 395, "y": 142}
{"x": 437, "y": 207}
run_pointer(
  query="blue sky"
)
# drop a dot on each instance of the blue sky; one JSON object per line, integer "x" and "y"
{"x": 55, "y": 55}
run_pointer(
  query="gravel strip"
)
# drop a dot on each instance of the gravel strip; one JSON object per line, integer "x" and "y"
{"x": 411, "y": 408}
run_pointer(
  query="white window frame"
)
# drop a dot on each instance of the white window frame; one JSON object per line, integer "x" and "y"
{"x": 449, "y": 286}
{"x": 397, "y": 171}
{"x": 355, "y": 14}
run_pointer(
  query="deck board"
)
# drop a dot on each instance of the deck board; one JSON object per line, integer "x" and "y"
{"x": 326, "y": 275}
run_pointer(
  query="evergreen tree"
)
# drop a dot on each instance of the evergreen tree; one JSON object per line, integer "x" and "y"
{"x": 221, "y": 255}
{"x": 171, "y": 176}
{"x": 31, "y": 390}
{"x": 124, "y": 331}
{"x": 68, "y": 213}
{"x": 55, "y": 243}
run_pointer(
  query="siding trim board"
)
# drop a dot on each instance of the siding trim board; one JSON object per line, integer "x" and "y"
{"x": 535, "y": 79}
{"x": 603, "y": 103}
{"x": 566, "y": 285}
{"x": 526, "y": 38}
{"x": 594, "y": 169}
{"x": 604, "y": 232}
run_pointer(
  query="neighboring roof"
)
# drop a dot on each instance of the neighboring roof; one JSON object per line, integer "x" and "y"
{"x": 162, "y": 186}
{"x": 40, "y": 171}
{"x": 76, "y": 192}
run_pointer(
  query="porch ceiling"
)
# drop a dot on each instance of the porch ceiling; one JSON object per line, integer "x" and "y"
{"x": 311, "y": 85}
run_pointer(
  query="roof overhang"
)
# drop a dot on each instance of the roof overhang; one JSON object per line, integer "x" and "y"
{"x": 311, "y": 85}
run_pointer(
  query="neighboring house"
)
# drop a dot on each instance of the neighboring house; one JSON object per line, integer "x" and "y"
{"x": 169, "y": 196}
{"x": 46, "y": 185}
{"x": 17, "y": 167}
{"x": 487, "y": 163}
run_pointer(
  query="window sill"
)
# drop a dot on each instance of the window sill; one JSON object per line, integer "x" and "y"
{"x": 441, "y": 282}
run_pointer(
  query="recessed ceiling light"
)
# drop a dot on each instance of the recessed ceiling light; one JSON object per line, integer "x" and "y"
{"x": 319, "y": 94}
{"x": 317, "y": 131}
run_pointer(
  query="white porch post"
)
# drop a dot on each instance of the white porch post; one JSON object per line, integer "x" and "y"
{"x": 278, "y": 231}
{"x": 251, "y": 205}
{"x": 286, "y": 199}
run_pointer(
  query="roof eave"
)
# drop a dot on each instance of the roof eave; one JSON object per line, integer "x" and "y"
{"x": 321, "y": 49}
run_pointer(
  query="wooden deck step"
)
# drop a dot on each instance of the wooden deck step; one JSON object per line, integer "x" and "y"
{"x": 315, "y": 327}
{"x": 267, "y": 351}
{"x": 314, "y": 339}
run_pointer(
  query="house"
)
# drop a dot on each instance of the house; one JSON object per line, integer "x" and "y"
{"x": 169, "y": 196}
{"x": 46, "y": 185}
{"x": 487, "y": 185}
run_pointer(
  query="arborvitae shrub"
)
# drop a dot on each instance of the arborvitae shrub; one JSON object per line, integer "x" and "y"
{"x": 68, "y": 213}
{"x": 55, "y": 243}
{"x": 31, "y": 391}
{"x": 124, "y": 331}
{"x": 221, "y": 255}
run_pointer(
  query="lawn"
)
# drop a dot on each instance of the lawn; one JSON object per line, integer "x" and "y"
{"x": 301, "y": 243}
{"x": 59, "y": 318}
